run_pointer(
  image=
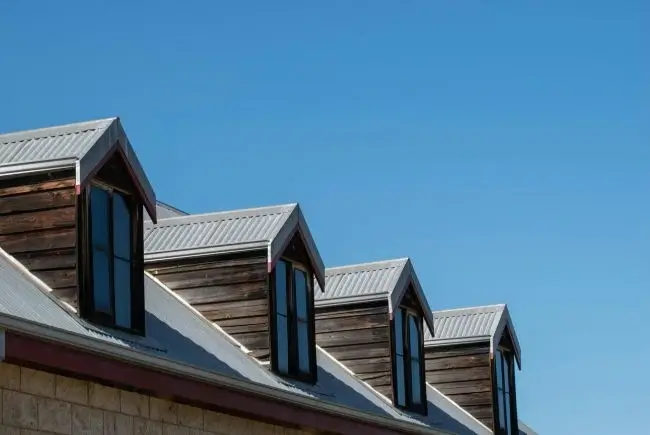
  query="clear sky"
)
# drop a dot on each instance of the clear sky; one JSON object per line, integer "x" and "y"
{"x": 501, "y": 145}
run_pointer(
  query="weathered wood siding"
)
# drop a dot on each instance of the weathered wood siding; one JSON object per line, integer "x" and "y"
{"x": 462, "y": 373}
{"x": 231, "y": 291}
{"x": 38, "y": 227}
{"x": 359, "y": 337}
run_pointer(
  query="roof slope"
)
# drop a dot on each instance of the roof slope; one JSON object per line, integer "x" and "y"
{"x": 164, "y": 211}
{"x": 524, "y": 429}
{"x": 231, "y": 231}
{"x": 470, "y": 325}
{"x": 177, "y": 332}
{"x": 82, "y": 146}
{"x": 370, "y": 282}
{"x": 445, "y": 413}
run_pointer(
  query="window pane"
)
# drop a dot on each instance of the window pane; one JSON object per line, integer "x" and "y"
{"x": 281, "y": 288}
{"x": 506, "y": 372}
{"x": 121, "y": 228}
{"x": 502, "y": 418}
{"x": 282, "y": 343}
{"x": 399, "y": 335}
{"x": 400, "y": 381}
{"x": 499, "y": 370}
{"x": 414, "y": 337}
{"x": 99, "y": 217}
{"x": 122, "y": 286}
{"x": 507, "y": 413}
{"x": 300, "y": 280}
{"x": 415, "y": 382}
{"x": 303, "y": 347}
{"x": 101, "y": 282}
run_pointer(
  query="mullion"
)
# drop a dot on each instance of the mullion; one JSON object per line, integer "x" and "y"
{"x": 291, "y": 317}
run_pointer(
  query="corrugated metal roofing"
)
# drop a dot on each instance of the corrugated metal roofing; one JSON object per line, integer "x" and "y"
{"x": 524, "y": 429}
{"x": 81, "y": 146}
{"x": 231, "y": 231}
{"x": 367, "y": 282}
{"x": 164, "y": 211}
{"x": 177, "y": 332}
{"x": 467, "y": 325}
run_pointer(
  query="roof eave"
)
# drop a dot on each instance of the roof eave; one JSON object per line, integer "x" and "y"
{"x": 296, "y": 223}
{"x": 205, "y": 252}
{"x": 37, "y": 167}
{"x": 457, "y": 341}
{"x": 132, "y": 355}
{"x": 407, "y": 277}
{"x": 332, "y": 302}
{"x": 114, "y": 139}
{"x": 505, "y": 322}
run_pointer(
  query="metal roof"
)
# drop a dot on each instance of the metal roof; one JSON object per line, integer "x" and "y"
{"x": 176, "y": 331}
{"x": 81, "y": 146}
{"x": 470, "y": 325}
{"x": 524, "y": 429}
{"x": 268, "y": 228}
{"x": 374, "y": 281}
{"x": 164, "y": 211}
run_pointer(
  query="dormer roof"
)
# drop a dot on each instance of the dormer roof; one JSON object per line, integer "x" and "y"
{"x": 234, "y": 231}
{"x": 82, "y": 146}
{"x": 472, "y": 325}
{"x": 367, "y": 282}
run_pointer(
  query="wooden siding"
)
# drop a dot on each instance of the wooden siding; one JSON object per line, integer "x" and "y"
{"x": 359, "y": 337}
{"x": 463, "y": 373}
{"x": 38, "y": 227}
{"x": 231, "y": 291}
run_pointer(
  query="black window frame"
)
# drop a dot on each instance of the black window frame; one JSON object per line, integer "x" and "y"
{"x": 85, "y": 271}
{"x": 503, "y": 395}
{"x": 293, "y": 347}
{"x": 409, "y": 388}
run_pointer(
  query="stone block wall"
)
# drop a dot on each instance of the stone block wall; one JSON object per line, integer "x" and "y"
{"x": 40, "y": 403}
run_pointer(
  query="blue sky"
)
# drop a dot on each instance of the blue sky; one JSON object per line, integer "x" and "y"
{"x": 501, "y": 145}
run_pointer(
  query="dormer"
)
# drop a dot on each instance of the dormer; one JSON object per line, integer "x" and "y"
{"x": 249, "y": 271}
{"x": 372, "y": 318}
{"x": 472, "y": 358}
{"x": 71, "y": 210}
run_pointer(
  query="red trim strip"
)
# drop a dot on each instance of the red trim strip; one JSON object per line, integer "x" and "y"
{"x": 28, "y": 351}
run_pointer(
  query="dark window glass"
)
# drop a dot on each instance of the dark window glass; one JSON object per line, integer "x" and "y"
{"x": 121, "y": 228}
{"x": 414, "y": 352}
{"x": 281, "y": 311}
{"x": 504, "y": 373}
{"x": 100, "y": 223}
{"x": 408, "y": 359}
{"x": 400, "y": 378}
{"x": 111, "y": 256}
{"x": 101, "y": 281}
{"x": 301, "y": 292}
{"x": 122, "y": 282}
{"x": 293, "y": 349}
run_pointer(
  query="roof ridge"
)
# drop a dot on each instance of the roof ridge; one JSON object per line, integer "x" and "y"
{"x": 73, "y": 127}
{"x": 403, "y": 261}
{"x": 469, "y": 308}
{"x": 197, "y": 216}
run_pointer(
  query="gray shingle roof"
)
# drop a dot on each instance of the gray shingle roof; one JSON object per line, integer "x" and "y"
{"x": 231, "y": 231}
{"x": 469, "y": 325}
{"x": 370, "y": 282}
{"x": 81, "y": 146}
{"x": 177, "y": 332}
{"x": 164, "y": 211}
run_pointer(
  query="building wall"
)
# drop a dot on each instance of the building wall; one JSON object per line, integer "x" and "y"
{"x": 38, "y": 226}
{"x": 38, "y": 403}
{"x": 463, "y": 373}
{"x": 359, "y": 337}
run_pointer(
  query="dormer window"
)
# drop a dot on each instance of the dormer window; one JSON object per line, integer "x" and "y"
{"x": 293, "y": 349}
{"x": 112, "y": 259}
{"x": 504, "y": 380}
{"x": 409, "y": 386}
